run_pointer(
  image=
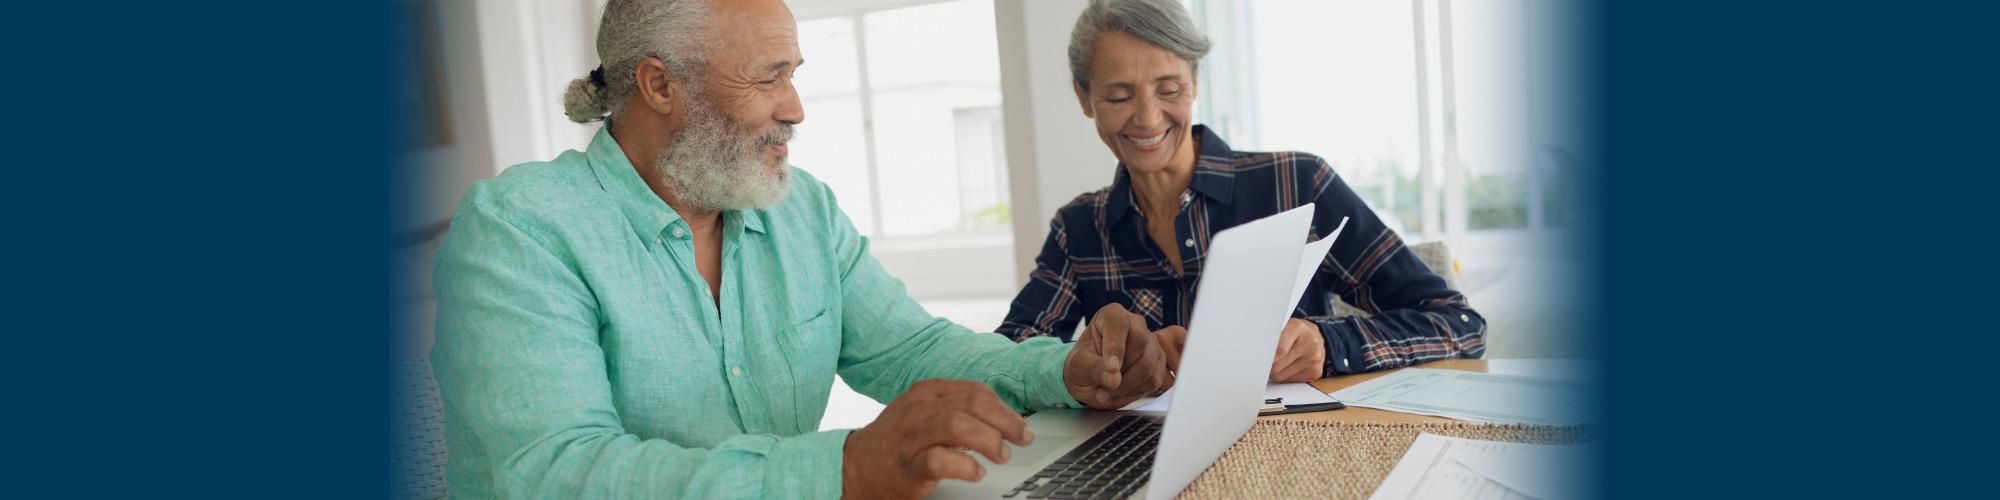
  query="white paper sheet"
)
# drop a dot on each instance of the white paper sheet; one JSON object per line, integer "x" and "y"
{"x": 1472, "y": 396}
{"x": 1442, "y": 467}
{"x": 1294, "y": 394}
{"x": 1310, "y": 259}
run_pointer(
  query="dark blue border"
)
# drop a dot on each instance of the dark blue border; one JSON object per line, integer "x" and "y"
{"x": 198, "y": 247}
{"x": 1794, "y": 279}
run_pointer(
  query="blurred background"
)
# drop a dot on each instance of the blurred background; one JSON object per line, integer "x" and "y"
{"x": 950, "y": 134}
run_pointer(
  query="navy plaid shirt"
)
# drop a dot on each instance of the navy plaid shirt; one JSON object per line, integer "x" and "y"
{"x": 1098, "y": 253}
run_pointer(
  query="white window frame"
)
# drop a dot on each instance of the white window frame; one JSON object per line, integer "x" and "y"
{"x": 855, "y": 11}
{"x": 931, "y": 265}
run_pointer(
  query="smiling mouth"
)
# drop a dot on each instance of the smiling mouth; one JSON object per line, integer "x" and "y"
{"x": 1148, "y": 143}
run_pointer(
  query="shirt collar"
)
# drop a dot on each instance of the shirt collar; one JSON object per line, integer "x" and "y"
{"x": 648, "y": 214}
{"x": 1214, "y": 176}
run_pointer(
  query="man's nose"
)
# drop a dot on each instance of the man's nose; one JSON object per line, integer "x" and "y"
{"x": 790, "y": 110}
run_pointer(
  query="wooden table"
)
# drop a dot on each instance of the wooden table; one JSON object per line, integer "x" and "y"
{"x": 1356, "y": 414}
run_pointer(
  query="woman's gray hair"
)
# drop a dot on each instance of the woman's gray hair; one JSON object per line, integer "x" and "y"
{"x": 675, "y": 31}
{"x": 1162, "y": 23}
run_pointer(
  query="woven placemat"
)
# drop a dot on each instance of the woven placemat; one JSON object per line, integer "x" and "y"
{"x": 1298, "y": 459}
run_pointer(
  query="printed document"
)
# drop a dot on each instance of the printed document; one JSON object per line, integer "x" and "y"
{"x": 1443, "y": 467}
{"x": 1472, "y": 396}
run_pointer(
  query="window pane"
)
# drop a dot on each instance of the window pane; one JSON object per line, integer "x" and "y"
{"x": 830, "y": 141}
{"x": 1338, "y": 79}
{"x": 935, "y": 74}
{"x": 831, "y": 63}
{"x": 1493, "y": 103}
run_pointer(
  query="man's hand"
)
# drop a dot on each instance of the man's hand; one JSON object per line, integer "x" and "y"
{"x": 1301, "y": 353}
{"x": 1115, "y": 362}
{"x": 913, "y": 444}
{"x": 1173, "y": 341}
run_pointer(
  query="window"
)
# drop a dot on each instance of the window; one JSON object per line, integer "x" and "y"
{"x": 1430, "y": 109}
{"x": 1339, "y": 79}
{"x": 903, "y": 118}
{"x": 1488, "y": 61}
{"x": 1446, "y": 116}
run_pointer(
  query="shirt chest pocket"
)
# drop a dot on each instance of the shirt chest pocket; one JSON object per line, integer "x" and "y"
{"x": 813, "y": 349}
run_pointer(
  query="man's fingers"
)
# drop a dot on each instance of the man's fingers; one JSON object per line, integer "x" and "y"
{"x": 961, "y": 429}
{"x": 939, "y": 462}
{"x": 1115, "y": 326}
{"x": 1140, "y": 346}
{"x": 1096, "y": 356}
{"x": 977, "y": 402}
{"x": 986, "y": 407}
{"x": 1142, "y": 380}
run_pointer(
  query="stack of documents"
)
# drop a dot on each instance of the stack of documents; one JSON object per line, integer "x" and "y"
{"x": 1441, "y": 467}
{"x": 1472, "y": 396}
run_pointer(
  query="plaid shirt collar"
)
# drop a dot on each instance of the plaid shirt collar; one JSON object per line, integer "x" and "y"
{"x": 1214, "y": 176}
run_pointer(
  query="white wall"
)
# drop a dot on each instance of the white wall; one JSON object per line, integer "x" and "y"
{"x": 1053, "y": 148}
{"x": 506, "y": 63}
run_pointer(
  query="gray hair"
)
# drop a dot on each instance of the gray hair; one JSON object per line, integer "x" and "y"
{"x": 675, "y": 31}
{"x": 1162, "y": 23}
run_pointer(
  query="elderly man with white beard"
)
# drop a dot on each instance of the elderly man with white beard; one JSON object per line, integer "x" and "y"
{"x": 663, "y": 312}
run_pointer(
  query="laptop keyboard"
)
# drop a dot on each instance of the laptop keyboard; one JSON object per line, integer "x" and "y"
{"x": 1114, "y": 463}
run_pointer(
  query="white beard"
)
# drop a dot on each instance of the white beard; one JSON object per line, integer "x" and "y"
{"x": 714, "y": 167}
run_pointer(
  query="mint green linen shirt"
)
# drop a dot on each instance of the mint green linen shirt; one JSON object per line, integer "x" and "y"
{"x": 580, "y": 355}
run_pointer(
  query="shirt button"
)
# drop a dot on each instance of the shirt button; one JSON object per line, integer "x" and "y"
{"x": 1186, "y": 197}
{"x": 1464, "y": 319}
{"x": 658, "y": 241}
{"x": 679, "y": 233}
{"x": 1189, "y": 242}
{"x": 735, "y": 371}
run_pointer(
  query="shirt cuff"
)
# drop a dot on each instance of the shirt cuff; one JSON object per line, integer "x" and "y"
{"x": 807, "y": 465}
{"x": 1047, "y": 387}
{"x": 1340, "y": 357}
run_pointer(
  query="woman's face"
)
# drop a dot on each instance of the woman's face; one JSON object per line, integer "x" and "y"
{"x": 1141, "y": 97}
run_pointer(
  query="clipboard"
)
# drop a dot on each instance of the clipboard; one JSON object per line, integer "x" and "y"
{"x": 1280, "y": 408}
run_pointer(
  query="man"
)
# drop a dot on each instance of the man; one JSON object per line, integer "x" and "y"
{"x": 662, "y": 314}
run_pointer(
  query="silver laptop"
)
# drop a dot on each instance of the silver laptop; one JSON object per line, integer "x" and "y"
{"x": 1240, "y": 311}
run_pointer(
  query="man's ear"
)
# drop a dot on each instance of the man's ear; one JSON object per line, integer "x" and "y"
{"x": 658, "y": 89}
{"x": 1083, "y": 99}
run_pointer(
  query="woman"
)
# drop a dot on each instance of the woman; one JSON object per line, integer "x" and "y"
{"x": 1139, "y": 243}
